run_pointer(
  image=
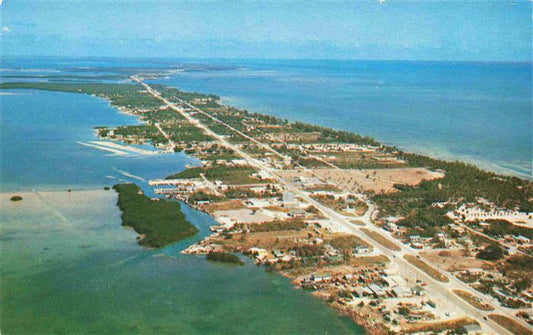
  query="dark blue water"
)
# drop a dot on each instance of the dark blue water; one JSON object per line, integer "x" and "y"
{"x": 40, "y": 149}
{"x": 475, "y": 112}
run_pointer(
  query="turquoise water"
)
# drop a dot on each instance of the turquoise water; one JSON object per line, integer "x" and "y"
{"x": 475, "y": 112}
{"x": 69, "y": 267}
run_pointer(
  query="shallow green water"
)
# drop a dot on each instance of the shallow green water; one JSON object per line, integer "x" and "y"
{"x": 69, "y": 267}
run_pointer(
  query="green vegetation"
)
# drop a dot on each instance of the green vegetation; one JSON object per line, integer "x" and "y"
{"x": 233, "y": 175}
{"x": 135, "y": 132}
{"x": 202, "y": 196}
{"x": 491, "y": 253}
{"x": 309, "y": 250}
{"x": 160, "y": 221}
{"x": 347, "y": 243}
{"x": 499, "y": 228}
{"x": 224, "y": 258}
{"x": 184, "y": 132}
{"x": 126, "y": 95}
{"x": 462, "y": 182}
{"x": 16, "y": 198}
{"x": 171, "y": 93}
{"x": 332, "y": 135}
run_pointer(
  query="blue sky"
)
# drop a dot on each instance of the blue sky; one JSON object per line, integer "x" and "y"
{"x": 415, "y": 30}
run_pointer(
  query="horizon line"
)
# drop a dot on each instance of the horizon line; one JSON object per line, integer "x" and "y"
{"x": 529, "y": 61}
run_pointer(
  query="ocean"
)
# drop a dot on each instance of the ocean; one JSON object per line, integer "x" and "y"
{"x": 70, "y": 267}
{"x": 481, "y": 113}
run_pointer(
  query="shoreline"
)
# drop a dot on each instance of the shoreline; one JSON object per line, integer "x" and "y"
{"x": 444, "y": 155}
{"x": 210, "y": 214}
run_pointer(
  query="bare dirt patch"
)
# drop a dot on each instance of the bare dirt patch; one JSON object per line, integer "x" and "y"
{"x": 224, "y": 206}
{"x": 454, "y": 260}
{"x": 377, "y": 180}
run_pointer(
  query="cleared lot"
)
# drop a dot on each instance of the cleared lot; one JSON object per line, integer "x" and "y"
{"x": 377, "y": 180}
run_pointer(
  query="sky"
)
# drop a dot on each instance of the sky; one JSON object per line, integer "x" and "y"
{"x": 363, "y": 29}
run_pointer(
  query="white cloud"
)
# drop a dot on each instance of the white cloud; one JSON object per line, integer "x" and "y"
{"x": 6, "y": 29}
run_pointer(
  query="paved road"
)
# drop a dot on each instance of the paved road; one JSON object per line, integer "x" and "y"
{"x": 437, "y": 291}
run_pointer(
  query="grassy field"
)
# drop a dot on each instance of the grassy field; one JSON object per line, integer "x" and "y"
{"x": 433, "y": 273}
{"x": 381, "y": 240}
{"x": 474, "y": 301}
{"x": 510, "y": 324}
{"x": 160, "y": 222}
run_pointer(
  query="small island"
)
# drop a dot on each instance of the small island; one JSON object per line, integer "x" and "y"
{"x": 224, "y": 257}
{"x": 159, "y": 222}
{"x": 16, "y": 198}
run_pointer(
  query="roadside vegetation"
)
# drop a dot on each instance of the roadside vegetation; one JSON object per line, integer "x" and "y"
{"x": 510, "y": 324}
{"x": 381, "y": 239}
{"x": 473, "y": 300}
{"x": 428, "y": 269}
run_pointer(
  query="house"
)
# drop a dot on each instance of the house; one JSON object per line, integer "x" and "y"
{"x": 348, "y": 276}
{"x": 277, "y": 253}
{"x": 475, "y": 271}
{"x": 391, "y": 227}
{"x": 336, "y": 259}
{"x": 377, "y": 290}
{"x": 415, "y": 238}
{"x": 358, "y": 292}
{"x": 418, "y": 290}
{"x": 474, "y": 329}
{"x": 401, "y": 292}
{"x": 259, "y": 253}
{"x": 394, "y": 280}
{"x": 522, "y": 239}
{"x": 288, "y": 197}
{"x": 417, "y": 245}
{"x": 321, "y": 276}
{"x": 297, "y": 213}
{"x": 362, "y": 249}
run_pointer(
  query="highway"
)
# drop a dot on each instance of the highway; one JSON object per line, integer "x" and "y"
{"x": 439, "y": 292}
